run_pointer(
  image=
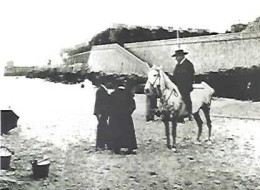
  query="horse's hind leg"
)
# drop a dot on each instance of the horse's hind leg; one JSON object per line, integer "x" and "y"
{"x": 206, "y": 111}
{"x": 199, "y": 123}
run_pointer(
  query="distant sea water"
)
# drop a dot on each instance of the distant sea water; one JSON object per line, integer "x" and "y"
{"x": 50, "y": 111}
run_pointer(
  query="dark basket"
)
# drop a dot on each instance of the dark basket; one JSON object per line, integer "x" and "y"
{"x": 40, "y": 171}
{"x": 5, "y": 162}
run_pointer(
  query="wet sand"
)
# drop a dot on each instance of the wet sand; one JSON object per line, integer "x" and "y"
{"x": 56, "y": 120}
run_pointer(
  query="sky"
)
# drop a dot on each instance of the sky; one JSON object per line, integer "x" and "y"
{"x": 34, "y": 31}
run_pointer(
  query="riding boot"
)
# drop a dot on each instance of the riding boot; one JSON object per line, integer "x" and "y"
{"x": 189, "y": 109}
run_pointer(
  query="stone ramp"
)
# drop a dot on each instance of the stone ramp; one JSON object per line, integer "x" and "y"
{"x": 113, "y": 59}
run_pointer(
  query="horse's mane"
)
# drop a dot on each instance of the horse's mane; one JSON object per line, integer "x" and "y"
{"x": 168, "y": 83}
{"x": 173, "y": 99}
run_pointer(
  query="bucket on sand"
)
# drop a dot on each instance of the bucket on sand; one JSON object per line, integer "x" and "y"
{"x": 5, "y": 157}
{"x": 40, "y": 168}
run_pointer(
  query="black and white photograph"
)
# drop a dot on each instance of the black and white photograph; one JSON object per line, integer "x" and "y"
{"x": 130, "y": 95}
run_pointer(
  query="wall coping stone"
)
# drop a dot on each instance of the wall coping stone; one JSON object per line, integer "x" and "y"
{"x": 197, "y": 39}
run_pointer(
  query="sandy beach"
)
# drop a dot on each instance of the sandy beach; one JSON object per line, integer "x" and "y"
{"x": 56, "y": 120}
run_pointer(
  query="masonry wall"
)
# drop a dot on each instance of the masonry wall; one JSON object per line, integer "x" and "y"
{"x": 79, "y": 58}
{"x": 17, "y": 71}
{"x": 113, "y": 59}
{"x": 208, "y": 53}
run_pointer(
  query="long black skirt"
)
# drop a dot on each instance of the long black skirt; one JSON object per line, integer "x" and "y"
{"x": 122, "y": 132}
{"x": 102, "y": 138}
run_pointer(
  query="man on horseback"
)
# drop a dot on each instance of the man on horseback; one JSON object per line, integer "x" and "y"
{"x": 173, "y": 108}
{"x": 183, "y": 77}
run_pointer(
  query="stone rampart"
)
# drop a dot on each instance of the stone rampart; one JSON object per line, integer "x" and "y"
{"x": 114, "y": 59}
{"x": 79, "y": 58}
{"x": 208, "y": 53}
{"x": 17, "y": 71}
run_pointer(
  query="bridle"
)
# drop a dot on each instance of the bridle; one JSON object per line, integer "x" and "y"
{"x": 173, "y": 91}
{"x": 158, "y": 77}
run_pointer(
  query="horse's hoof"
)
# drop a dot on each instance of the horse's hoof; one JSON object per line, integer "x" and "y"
{"x": 174, "y": 146}
{"x": 169, "y": 147}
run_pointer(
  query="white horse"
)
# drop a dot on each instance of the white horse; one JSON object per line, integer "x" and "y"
{"x": 172, "y": 105}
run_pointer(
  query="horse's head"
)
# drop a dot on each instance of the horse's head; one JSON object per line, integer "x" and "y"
{"x": 154, "y": 81}
{"x": 159, "y": 84}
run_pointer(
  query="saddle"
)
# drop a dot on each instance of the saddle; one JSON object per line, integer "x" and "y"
{"x": 184, "y": 112}
{"x": 197, "y": 86}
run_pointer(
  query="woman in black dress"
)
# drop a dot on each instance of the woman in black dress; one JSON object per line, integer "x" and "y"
{"x": 120, "y": 121}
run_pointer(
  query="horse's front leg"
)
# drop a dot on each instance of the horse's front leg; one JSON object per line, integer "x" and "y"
{"x": 165, "y": 120}
{"x": 174, "y": 131}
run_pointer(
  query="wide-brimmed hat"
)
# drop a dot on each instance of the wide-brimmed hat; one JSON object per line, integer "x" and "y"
{"x": 179, "y": 52}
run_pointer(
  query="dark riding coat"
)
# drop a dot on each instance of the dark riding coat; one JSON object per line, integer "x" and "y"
{"x": 183, "y": 77}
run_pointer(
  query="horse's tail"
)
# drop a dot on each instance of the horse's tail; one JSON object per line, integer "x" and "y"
{"x": 208, "y": 93}
{"x": 209, "y": 89}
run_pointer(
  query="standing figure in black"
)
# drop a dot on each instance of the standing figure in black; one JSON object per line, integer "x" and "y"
{"x": 120, "y": 121}
{"x": 101, "y": 110}
{"x": 183, "y": 77}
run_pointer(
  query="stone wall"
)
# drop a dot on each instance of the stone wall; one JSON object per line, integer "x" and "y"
{"x": 114, "y": 59}
{"x": 17, "y": 71}
{"x": 208, "y": 53}
{"x": 79, "y": 58}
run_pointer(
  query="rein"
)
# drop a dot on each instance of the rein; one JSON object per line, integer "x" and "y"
{"x": 175, "y": 94}
{"x": 158, "y": 76}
